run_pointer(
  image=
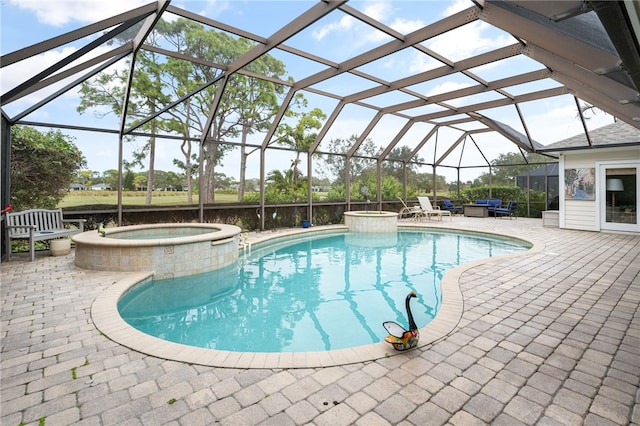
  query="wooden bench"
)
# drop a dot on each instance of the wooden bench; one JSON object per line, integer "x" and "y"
{"x": 37, "y": 225}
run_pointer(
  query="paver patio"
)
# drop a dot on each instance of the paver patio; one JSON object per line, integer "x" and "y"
{"x": 545, "y": 338}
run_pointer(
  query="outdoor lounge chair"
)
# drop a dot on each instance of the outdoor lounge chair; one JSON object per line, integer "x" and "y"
{"x": 510, "y": 210}
{"x": 448, "y": 205}
{"x": 414, "y": 212}
{"x": 429, "y": 211}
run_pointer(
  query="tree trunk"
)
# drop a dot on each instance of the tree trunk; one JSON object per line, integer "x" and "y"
{"x": 152, "y": 158}
{"x": 185, "y": 147}
{"x": 243, "y": 162}
{"x": 243, "y": 177}
{"x": 186, "y": 151}
{"x": 209, "y": 173}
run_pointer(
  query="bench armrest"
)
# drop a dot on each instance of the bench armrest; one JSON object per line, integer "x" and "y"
{"x": 31, "y": 228}
{"x": 80, "y": 222}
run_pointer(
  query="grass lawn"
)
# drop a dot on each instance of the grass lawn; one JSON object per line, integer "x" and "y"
{"x": 135, "y": 198}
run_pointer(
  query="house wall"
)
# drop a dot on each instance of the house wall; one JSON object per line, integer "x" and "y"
{"x": 583, "y": 214}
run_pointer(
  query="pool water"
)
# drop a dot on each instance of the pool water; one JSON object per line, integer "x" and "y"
{"x": 308, "y": 294}
{"x": 160, "y": 233}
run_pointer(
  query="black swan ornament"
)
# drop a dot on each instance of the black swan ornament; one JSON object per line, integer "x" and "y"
{"x": 402, "y": 339}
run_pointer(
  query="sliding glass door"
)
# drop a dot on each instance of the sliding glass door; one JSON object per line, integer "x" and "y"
{"x": 619, "y": 193}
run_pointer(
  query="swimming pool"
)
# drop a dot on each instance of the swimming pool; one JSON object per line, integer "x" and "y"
{"x": 312, "y": 293}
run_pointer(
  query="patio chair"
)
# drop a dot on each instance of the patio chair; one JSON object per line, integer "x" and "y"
{"x": 510, "y": 210}
{"x": 448, "y": 205}
{"x": 414, "y": 212}
{"x": 429, "y": 210}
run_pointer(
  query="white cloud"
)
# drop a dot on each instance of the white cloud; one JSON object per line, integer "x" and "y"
{"x": 403, "y": 26}
{"x": 344, "y": 24}
{"x": 380, "y": 11}
{"x": 61, "y": 12}
{"x": 406, "y": 26}
{"x": 457, "y": 6}
{"x": 466, "y": 41}
{"x": 421, "y": 62}
{"x": 447, "y": 86}
{"x": 558, "y": 122}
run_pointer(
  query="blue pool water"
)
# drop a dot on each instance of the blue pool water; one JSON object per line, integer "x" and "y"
{"x": 308, "y": 294}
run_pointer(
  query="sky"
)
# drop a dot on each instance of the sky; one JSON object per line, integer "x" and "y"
{"x": 336, "y": 37}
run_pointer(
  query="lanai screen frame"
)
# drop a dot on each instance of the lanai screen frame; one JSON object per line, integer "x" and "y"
{"x": 582, "y": 45}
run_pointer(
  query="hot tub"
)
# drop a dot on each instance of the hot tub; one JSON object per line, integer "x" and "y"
{"x": 371, "y": 222}
{"x": 168, "y": 249}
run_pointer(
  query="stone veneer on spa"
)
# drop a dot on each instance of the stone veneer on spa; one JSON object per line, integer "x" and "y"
{"x": 211, "y": 247}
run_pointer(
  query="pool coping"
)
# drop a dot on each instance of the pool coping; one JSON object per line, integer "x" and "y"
{"x": 105, "y": 316}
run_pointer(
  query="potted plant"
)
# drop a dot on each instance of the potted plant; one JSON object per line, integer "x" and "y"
{"x": 60, "y": 246}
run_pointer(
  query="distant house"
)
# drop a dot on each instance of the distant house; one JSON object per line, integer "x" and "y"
{"x": 101, "y": 187}
{"x": 600, "y": 179}
{"x": 77, "y": 187}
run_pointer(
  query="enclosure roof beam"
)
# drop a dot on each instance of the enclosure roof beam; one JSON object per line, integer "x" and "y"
{"x": 511, "y": 134}
{"x": 524, "y": 124}
{"x": 245, "y": 34}
{"x": 583, "y": 121}
{"x": 479, "y": 150}
{"x": 424, "y": 140}
{"x": 149, "y": 24}
{"x": 450, "y": 150}
{"x": 312, "y": 15}
{"x": 542, "y": 94}
{"x": 417, "y": 36}
{"x": 579, "y": 40}
{"x": 215, "y": 24}
{"x": 383, "y": 155}
{"x": 325, "y": 128}
{"x": 142, "y": 34}
{"x": 69, "y": 59}
{"x": 364, "y": 134}
{"x": 276, "y": 120}
{"x": 473, "y": 90}
{"x": 629, "y": 113}
{"x": 79, "y": 80}
{"x": 618, "y": 19}
{"x": 607, "y": 94}
{"x": 581, "y": 46}
{"x": 371, "y": 22}
{"x": 172, "y": 105}
{"x": 19, "y": 55}
{"x": 472, "y": 62}
{"x": 453, "y": 123}
{"x": 116, "y": 54}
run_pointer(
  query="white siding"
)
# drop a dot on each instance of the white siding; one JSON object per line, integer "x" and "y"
{"x": 580, "y": 214}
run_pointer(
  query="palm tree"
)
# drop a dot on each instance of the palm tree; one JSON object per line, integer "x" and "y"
{"x": 301, "y": 136}
{"x": 284, "y": 186}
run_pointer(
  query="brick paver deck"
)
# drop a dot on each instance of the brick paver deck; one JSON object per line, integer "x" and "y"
{"x": 545, "y": 338}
